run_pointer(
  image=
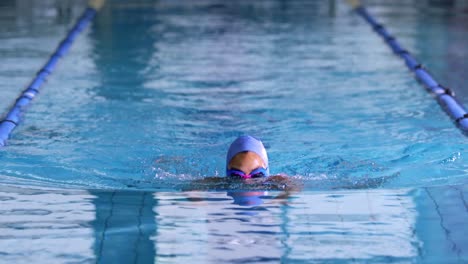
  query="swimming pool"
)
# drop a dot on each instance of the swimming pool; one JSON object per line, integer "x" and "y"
{"x": 149, "y": 98}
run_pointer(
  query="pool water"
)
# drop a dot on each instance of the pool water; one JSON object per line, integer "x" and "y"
{"x": 151, "y": 95}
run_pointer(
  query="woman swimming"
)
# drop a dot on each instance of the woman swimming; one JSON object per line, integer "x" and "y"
{"x": 247, "y": 158}
{"x": 247, "y": 168}
{"x": 248, "y": 177}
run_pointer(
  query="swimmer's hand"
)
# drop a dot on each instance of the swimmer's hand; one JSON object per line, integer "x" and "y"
{"x": 287, "y": 184}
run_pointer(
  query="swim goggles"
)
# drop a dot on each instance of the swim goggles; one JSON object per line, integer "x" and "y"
{"x": 257, "y": 173}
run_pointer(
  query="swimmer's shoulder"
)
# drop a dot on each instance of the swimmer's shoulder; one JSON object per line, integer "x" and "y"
{"x": 213, "y": 179}
{"x": 284, "y": 182}
{"x": 278, "y": 177}
{"x": 207, "y": 183}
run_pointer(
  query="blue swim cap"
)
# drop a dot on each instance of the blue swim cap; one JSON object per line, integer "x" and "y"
{"x": 247, "y": 143}
{"x": 247, "y": 198}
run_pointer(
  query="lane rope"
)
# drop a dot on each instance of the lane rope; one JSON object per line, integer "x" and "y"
{"x": 13, "y": 116}
{"x": 444, "y": 96}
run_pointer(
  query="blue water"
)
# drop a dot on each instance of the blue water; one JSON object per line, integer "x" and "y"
{"x": 151, "y": 95}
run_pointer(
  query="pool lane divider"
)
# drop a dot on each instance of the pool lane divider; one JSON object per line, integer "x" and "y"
{"x": 13, "y": 116}
{"x": 444, "y": 95}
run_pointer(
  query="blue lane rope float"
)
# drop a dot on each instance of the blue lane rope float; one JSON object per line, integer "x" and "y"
{"x": 444, "y": 95}
{"x": 12, "y": 118}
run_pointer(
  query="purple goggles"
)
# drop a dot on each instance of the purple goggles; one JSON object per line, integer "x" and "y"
{"x": 257, "y": 173}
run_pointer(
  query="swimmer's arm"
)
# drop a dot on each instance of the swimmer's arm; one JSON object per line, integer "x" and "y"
{"x": 285, "y": 183}
{"x": 207, "y": 183}
{"x": 209, "y": 180}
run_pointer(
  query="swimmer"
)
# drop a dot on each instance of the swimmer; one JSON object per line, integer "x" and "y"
{"x": 246, "y": 159}
{"x": 247, "y": 165}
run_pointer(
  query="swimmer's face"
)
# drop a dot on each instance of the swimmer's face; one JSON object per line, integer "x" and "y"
{"x": 246, "y": 162}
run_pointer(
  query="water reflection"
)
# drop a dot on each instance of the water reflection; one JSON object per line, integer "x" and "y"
{"x": 441, "y": 223}
{"x": 247, "y": 198}
{"x": 121, "y": 66}
{"x": 427, "y": 224}
{"x": 359, "y": 225}
{"x": 47, "y": 226}
{"x": 123, "y": 227}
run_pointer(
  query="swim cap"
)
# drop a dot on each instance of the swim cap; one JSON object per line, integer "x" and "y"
{"x": 247, "y": 198}
{"x": 247, "y": 143}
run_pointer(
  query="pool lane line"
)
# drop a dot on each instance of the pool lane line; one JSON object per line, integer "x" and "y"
{"x": 13, "y": 116}
{"x": 444, "y": 96}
